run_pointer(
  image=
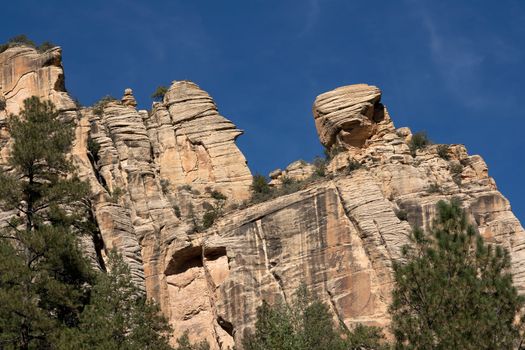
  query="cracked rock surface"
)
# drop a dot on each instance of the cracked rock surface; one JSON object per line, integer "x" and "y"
{"x": 153, "y": 174}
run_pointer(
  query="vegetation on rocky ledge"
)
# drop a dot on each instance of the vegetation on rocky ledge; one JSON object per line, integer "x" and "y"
{"x": 23, "y": 40}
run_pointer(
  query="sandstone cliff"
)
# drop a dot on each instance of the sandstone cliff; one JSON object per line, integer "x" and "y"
{"x": 154, "y": 174}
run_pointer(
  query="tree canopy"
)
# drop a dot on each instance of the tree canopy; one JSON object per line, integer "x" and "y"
{"x": 453, "y": 290}
{"x": 50, "y": 297}
{"x": 118, "y": 315}
{"x": 43, "y": 273}
{"x": 307, "y": 324}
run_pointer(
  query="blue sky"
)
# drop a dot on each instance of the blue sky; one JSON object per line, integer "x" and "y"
{"x": 452, "y": 68}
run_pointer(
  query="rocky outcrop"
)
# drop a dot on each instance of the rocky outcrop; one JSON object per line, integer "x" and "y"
{"x": 25, "y": 72}
{"x": 347, "y": 115}
{"x": 128, "y": 99}
{"x": 155, "y": 174}
{"x": 341, "y": 233}
{"x": 194, "y": 144}
{"x": 296, "y": 171}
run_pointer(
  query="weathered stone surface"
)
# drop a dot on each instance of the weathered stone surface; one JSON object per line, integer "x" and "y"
{"x": 194, "y": 144}
{"x": 347, "y": 115}
{"x": 336, "y": 237}
{"x": 128, "y": 99}
{"x": 152, "y": 176}
{"x": 24, "y": 72}
{"x": 296, "y": 171}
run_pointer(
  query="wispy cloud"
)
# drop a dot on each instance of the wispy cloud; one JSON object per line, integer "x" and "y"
{"x": 313, "y": 11}
{"x": 458, "y": 64}
{"x": 462, "y": 58}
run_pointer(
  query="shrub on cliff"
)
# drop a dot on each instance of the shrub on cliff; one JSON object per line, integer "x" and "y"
{"x": 159, "y": 93}
{"x": 454, "y": 291}
{"x": 442, "y": 151}
{"x": 260, "y": 188}
{"x": 98, "y": 107}
{"x": 23, "y": 40}
{"x": 183, "y": 343}
{"x": 418, "y": 141}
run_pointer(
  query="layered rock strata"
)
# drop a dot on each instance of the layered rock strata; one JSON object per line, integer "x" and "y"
{"x": 154, "y": 174}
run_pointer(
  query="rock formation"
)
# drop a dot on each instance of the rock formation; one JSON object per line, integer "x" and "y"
{"x": 154, "y": 174}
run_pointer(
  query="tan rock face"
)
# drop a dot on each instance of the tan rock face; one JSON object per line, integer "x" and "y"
{"x": 296, "y": 171}
{"x": 195, "y": 145}
{"x": 152, "y": 175}
{"x": 128, "y": 99}
{"x": 24, "y": 72}
{"x": 347, "y": 115}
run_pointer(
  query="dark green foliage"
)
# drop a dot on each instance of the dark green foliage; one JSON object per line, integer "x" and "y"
{"x": 353, "y": 165}
{"x": 46, "y": 45}
{"x": 418, "y": 141}
{"x": 331, "y": 152}
{"x": 213, "y": 212}
{"x": 118, "y": 316}
{"x": 365, "y": 338}
{"x": 260, "y": 184}
{"x": 42, "y": 272}
{"x": 98, "y": 107}
{"x": 176, "y": 208}
{"x": 158, "y": 95}
{"x": 306, "y": 324}
{"x": 19, "y": 40}
{"x": 23, "y": 40}
{"x": 45, "y": 282}
{"x": 402, "y": 214}
{"x": 116, "y": 194}
{"x": 442, "y": 151}
{"x": 456, "y": 169}
{"x": 39, "y": 189}
{"x": 93, "y": 148}
{"x": 42, "y": 277}
{"x": 454, "y": 291}
{"x": 320, "y": 167}
{"x": 433, "y": 188}
{"x": 218, "y": 195}
{"x": 2, "y": 103}
{"x": 261, "y": 190}
{"x": 183, "y": 343}
{"x": 288, "y": 185}
{"x": 265, "y": 193}
{"x": 186, "y": 188}
{"x": 209, "y": 218}
{"x": 165, "y": 185}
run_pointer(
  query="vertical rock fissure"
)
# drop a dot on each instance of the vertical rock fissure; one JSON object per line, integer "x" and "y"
{"x": 211, "y": 298}
{"x": 334, "y": 308}
{"x": 259, "y": 232}
{"x": 332, "y": 303}
{"x": 383, "y": 241}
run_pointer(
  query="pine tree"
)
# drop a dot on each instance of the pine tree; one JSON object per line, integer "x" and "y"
{"x": 307, "y": 324}
{"x": 183, "y": 343}
{"x": 42, "y": 271}
{"x": 454, "y": 291}
{"x": 118, "y": 316}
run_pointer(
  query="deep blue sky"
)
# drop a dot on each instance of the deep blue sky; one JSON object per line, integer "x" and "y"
{"x": 452, "y": 68}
